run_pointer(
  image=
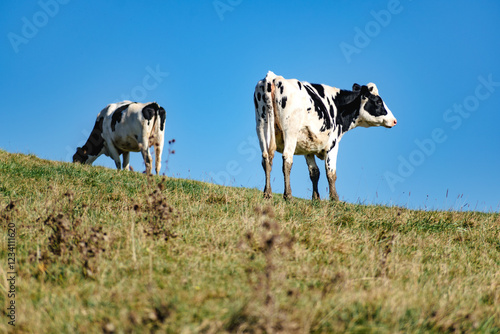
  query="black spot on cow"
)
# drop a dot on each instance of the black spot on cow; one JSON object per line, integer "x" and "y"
{"x": 300, "y": 85}
{"x": 117, "y": 116}
{"x": 93, "y": 145}
{"x": 258, "y": 96}
{"x": 280, "y": 86}
{"x": 320, "y": 89}
{"x": 375, "y": 106}
{"x": 255, "y": 101}
{"x": 347, "y": 103}
{"x": 283, "y": 102}
{"x": 95, "y": 142}
{"x": 150, "y": 111}
{"x": 333, "y": 145}
{"x": 345, "y": 97}
{"x": 269, "y": 87}
{"x": 320, "y": 108}
{"x": 163, "y": 116}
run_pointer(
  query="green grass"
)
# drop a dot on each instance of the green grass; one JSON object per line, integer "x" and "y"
{"x": 98, "y": 250}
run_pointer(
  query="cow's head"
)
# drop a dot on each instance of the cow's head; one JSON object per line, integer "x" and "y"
{"x": 88, "y": 153}
{"x": 81, "y": 155}
{"x": 94, "y": 146}
{"x": 373, "y": 111}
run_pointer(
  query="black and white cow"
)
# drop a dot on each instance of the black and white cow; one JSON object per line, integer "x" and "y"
{"x": 126, "y": 127}
{"x": 299, "y": 118}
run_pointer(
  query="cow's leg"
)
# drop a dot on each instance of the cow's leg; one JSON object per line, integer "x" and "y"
{"x": 332, "y": 177}
{"x": 147, "y": 158}
{"x": 114, "y": 154}
{"x": 267, "y": 164}
{"x": 290, "y": 131}
{"x": 268, "y": 148}
{"x": 287, "y": 168}
{"x": 158, "y": 151}
{"x": 313, "y": 174}
{"x": 331, "y": 171}
{"x": 144, "y": 147}
{"x": 265, "y": 132}
{"x": 288, "y": 151}
{"x": 126, "y": 161}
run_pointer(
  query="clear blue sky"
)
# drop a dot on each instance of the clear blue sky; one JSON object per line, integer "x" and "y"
{"x": 436, "y": 64}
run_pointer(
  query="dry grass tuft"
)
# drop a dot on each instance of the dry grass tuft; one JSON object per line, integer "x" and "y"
{"x": 69, "y": 244}
{"x": 157, "y": 216}
{"x": 262, "y": 312}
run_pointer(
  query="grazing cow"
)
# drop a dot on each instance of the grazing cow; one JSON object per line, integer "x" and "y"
{"x": 126, "y": 127}
{"x": 299, "y": 118}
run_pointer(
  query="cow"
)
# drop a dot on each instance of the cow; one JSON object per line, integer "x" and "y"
{"x": 126, "y": 127}
{"x": 299, "y": 118}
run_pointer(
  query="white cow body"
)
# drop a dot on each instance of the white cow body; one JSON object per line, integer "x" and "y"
{"x": 299, "y": 118}
{"x": 126, "y": 127}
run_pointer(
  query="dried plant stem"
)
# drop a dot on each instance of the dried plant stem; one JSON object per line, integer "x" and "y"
{"x": 134, "y": 256}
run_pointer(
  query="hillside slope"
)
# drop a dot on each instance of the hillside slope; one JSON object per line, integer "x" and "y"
{"x": 102, "y": 250}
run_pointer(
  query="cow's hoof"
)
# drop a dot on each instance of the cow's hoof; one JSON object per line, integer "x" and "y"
{"x": 315, "y": 197}
{"x": 287, "y": 197}
{"x": 334, "y": 198}
{"x": 267, "y": 195}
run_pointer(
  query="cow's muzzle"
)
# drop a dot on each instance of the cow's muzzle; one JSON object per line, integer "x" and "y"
{"x": 391, "y": 123}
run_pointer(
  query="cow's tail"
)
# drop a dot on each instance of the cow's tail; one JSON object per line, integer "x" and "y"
{"x": 157, "y": 134}
{"x": 265, "y": 115}
{"x": 157, "y": 114}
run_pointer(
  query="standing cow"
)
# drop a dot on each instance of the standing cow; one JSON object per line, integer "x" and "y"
{"x": 126, "y": 127}
{"x": 299, "y": 118}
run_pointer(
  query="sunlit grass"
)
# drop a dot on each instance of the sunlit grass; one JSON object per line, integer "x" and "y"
{"x": 327, "y": 267}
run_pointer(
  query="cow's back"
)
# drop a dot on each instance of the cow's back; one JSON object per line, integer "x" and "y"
{"x": 129, "y": 125}
{"x": 302, "y": 113}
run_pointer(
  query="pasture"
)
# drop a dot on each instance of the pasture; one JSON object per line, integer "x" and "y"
{"x": 100, "y": 250}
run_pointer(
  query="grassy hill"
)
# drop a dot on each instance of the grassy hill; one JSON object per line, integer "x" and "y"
{"x": 99, "y": 250}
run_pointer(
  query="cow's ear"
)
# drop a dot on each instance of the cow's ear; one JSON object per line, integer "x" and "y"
{"x": 372, "y": 88}
{"x": 356, "y": 87}
{"x": 365, "y": 91}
